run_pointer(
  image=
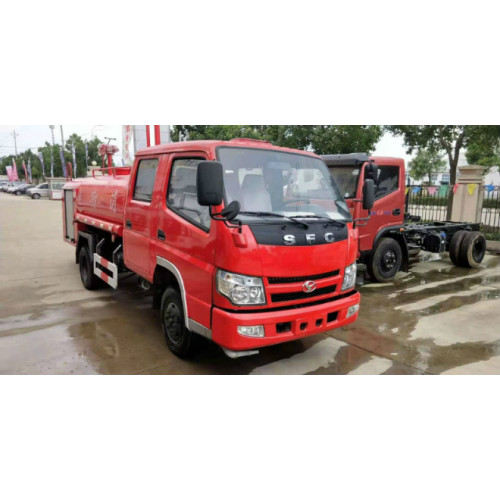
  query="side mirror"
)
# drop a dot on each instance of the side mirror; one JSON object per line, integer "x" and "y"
{"x": 210, "y": 183}
{"x": 232, "y": 210}
{"x": 371, "y": 171}
{"x": 368, "y": 194}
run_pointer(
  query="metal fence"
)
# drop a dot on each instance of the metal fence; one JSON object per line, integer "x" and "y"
{"x": 427, "y": 202}
{"x": 430, "y": 202}
{"x": 490, "y": 216}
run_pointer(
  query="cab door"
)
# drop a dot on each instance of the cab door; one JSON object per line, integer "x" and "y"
{"x": 388, "y": 209}
{"x": 139, "y": 216}
{"x": 185, "y": 234}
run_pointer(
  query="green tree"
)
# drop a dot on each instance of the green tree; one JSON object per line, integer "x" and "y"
{"x": 448, "y": 139}
{"x": 426, "y": 163}
{"x": 483, "y": 151}
{"x": 322, "y": 139}
{"x": 36, "y": 165}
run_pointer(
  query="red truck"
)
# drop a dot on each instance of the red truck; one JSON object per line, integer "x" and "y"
{"x": 241, "y": 242}
{"x": 388, "y": 236}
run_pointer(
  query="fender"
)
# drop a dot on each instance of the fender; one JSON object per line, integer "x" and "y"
{"x": 191, "y": 324}
{"x": 91, "y": 242}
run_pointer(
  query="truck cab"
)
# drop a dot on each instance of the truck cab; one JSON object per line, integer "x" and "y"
{"x": 241, "y": 242}
{"x": 385, "y": 239}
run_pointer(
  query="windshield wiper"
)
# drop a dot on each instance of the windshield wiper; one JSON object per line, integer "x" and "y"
{"x": 272, "y": 214}
{"x": 329, "y": 219}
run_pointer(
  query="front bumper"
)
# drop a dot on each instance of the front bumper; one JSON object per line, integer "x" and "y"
{"x": 293, "y": 323}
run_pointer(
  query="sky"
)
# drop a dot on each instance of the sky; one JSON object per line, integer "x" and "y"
{"x": 33, "y": 136}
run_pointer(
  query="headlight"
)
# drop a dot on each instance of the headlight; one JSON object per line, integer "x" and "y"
{"x": 349, "y": 277}
{"x": 241, "y": 290}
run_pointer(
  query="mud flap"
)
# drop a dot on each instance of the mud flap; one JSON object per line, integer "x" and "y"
{"x": 111, "y": 280}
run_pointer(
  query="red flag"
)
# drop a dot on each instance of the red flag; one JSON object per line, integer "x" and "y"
{"x": 455, "y": 187}
{"x": 25, "y": 172}
{"x": 15, "y": 177}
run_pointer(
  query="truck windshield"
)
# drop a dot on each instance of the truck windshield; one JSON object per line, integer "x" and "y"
{"x": 346, "y": 179}
{"x": 286, "y": 184}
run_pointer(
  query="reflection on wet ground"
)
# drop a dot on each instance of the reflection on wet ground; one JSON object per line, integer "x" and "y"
{"x": 436, "y": 319}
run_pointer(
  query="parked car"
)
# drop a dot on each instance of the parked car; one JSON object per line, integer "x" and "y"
{"x": 12, "y": 189}
{"x": 22, "y": 189}
{"x": 40, "y": 191}
{"x": 5, "y": 188}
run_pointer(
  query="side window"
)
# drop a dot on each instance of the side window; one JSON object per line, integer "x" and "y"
{"x": 145, "y": 180}
{"x": 182, "y": 195}
{"x": 387, "y": 181}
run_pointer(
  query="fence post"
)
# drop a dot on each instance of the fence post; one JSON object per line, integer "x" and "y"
{"x": 467, "y": 207}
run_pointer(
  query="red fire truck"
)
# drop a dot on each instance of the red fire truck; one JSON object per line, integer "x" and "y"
{"x": 241, "y": 242}
{"x": 388, "y": 236}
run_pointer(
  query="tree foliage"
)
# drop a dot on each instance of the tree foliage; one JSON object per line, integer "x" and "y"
{"x": 448, "y": 139}
{"x": 425, "y": 163}
{"x": 36, "y": 165}
{"x": 322, "y": 139}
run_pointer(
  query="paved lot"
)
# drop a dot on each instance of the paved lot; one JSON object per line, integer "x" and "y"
{"x": 437, "y": 319}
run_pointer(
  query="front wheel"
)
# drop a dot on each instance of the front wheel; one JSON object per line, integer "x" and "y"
{"x": 385, "y": 261}
{"x": 36, "y": 196}
{"x": 179, "y": 339}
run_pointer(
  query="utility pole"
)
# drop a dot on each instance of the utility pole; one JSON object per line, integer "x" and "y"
{"x": 52, "y": 127}
{"x": 15, "y": 135}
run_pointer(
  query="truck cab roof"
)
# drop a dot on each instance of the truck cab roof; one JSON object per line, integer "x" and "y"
{"x": 355, "y": 159}
{"x": 211, "y": 145}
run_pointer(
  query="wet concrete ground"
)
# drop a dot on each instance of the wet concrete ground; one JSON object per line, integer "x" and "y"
{"x": 437, "y": 319}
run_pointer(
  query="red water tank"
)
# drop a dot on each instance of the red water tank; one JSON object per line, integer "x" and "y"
{"x": 102, "y": 197}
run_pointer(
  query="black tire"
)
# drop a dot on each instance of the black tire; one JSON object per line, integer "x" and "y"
{"x": 18, "y": 193}
{"x": 385, "y": 261}
{"x": 89, "y": 279}
{"x": 472, "y": 249}
{"x": 36, "y": 196}
{"x": 455, "y": 243}
{"x": 179, "y": 339}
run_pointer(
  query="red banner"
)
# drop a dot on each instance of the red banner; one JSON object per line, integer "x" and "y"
{"x": 25, "y": 172}
{"x": 15, "y": 177}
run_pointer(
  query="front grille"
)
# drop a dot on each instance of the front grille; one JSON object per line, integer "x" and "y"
{"x": 282, "y": 297}
{"x": 298, "y": 279}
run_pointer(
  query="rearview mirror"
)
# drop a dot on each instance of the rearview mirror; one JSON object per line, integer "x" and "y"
{"x": 368, "y": 194}
{"x": 232, "y": 210}
{"x": 371, "y": 171}
{"x": 210, "y": 183}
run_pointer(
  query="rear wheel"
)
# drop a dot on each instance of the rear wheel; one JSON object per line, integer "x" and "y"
{"x": 472, "y": 249}
{"x": 179, "y": 339}
{"x": 455, "y": 243}
{"x": 89, "y": 279}
{"x": 385, "y": 261}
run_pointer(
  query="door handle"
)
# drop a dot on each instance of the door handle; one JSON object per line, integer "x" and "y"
{"x": 160, "y": 235}
{"x": 128, "y": 224}
{"x": 396, "y": 211}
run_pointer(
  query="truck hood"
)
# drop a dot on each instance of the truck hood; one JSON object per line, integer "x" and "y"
{"x": 288, "y": 261}
{"x": 287, "y": 250}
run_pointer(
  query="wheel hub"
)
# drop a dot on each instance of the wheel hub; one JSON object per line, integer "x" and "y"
{"x": 389, "y": 260}
{"x": 173, "y": 323}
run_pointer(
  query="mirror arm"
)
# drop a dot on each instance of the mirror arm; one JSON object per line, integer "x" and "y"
{"x": 230, "y": 224}
{"x": 365, "y": 220}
